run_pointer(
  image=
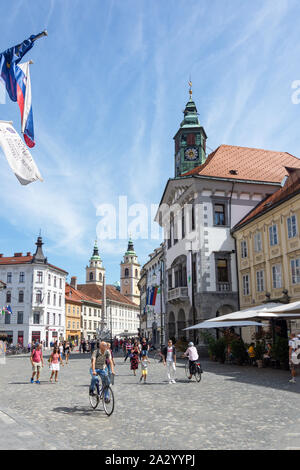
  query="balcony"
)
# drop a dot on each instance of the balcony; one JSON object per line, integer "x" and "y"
{"x": 223, "y": 287}
{"x": 179, "y": 294}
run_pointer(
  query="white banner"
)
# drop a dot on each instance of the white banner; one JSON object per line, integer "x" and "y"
{"x": 18, "y": 155}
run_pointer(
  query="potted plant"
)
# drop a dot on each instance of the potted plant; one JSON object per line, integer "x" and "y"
{"x": 220, "y": 350}
{"x": 281, "y": 351}
{"x": 239, "y": 351}
{"x": 260, "y": 350}
{"x": 210, "y": 341}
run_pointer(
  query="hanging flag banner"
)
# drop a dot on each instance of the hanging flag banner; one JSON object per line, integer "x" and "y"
{"x": 9, "y": 60}
{"x": 24, "y": 102}
{"x": 17, "y": 155}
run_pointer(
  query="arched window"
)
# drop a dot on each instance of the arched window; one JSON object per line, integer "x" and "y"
{"x": 8, "y": 297}
{"x": 126, "y": 272}
{"x": 100, "y": 277}
{"x": 91, "y": 277}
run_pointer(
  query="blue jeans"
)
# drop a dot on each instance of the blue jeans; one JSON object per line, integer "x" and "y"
{"x": 104, "y": 378}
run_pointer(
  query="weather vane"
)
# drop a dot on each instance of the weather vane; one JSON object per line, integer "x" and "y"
{"x": 190, "y": 85}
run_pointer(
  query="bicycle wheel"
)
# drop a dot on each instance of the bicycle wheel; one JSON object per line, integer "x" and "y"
{"x": 198, "y": 374}
{"x": 187, "y": 369}
{"x": 94, "y": 399}
{"x": 108, "y": 400}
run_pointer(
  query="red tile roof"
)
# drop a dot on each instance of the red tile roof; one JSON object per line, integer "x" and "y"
{"x": 290, "y": 189}
{"x": 111, "y": 293}
{"x": 25, "y": 260}
{"x": 247, "y": 164}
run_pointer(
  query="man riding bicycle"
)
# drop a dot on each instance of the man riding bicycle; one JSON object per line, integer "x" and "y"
{"x": 193, "y": 356}
{"x": 98, "y": 367}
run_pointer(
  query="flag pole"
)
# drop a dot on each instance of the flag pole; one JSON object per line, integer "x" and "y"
{"x": 44, "y": 33}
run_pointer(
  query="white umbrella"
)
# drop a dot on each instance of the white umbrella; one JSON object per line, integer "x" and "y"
{"x": 223, "y": 324}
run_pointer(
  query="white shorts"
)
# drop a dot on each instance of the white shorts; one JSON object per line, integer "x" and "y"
{"x": 54, "y": 367}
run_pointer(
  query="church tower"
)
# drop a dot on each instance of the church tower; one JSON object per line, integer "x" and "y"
{"x": 95, "y": 271}
{"x": 190, "y": 140}
{"x": 130, "y": 274}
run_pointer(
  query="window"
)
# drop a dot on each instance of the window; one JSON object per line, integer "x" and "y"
{"x": 292, "y": 226}
{"x": 69, "y": 324}
{"x": 244, "y": 249}
{"x": 73, "y": 325}
{"x": 54, "y": 319}
{"x": 9, "y": 278}
{"x": 48, "y": 298}
{"x": 246, "y": 285}
{"x": 20, "y": 318}
{"x": 59, "y": 319}
{"x": 8, "y": 297}
{"x": 222, "y": 270}
{"x": 60, "y": 283}
{"x": 95, "y": 312}
{"x": 85, "y": 324}
{"x": 219, "y": 214}
{"x": 48, "y": 318}
{"x": 257, "y": 242}
{"x": 38, "y": 297}
{"x": 273, "y": 234}
{"x": 295, "y": 266}
{"x": 54, "y": 281}
{"x": 22, "y": 277}
{"x": 78, "y": 325}
{"x": 182, "y": 223}
{"x": 260, "y": 282}
{"x": 36, "y": 318}
{"x": 276, "y": 276}
{"x": 7, "y": 318}
{"x": 91, "y": 277}
{"x": 49, "y": 279}
{"x": 21, "y": 296}
{"x": 39, "y": 276}
{"x": 126, "y": 272}
{"x": 54, "y": 299}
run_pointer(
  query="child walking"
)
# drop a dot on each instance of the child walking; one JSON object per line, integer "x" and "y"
{"x": 144, "y": 367}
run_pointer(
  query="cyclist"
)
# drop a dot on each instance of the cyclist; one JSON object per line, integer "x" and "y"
{"x": 98, "y": 367}
{"x": 193, "y": 356}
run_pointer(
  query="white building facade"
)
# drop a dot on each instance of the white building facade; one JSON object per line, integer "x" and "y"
{"x": 35, "y": 292}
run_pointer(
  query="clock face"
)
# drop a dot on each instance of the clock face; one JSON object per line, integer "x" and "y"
{"x": 191, "y": 154}
{"x": 126, "y": 282}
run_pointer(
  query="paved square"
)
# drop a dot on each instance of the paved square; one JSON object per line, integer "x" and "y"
{"x": 231, "y": 408}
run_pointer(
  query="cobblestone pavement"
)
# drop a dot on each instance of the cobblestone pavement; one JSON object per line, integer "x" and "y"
{"x": 231, "y": 408}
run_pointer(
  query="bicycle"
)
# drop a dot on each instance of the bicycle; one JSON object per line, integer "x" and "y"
{"x": 108, "y": 402}
{"x": 197, "y": 372}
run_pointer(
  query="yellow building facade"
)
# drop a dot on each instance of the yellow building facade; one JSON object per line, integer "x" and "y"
{"x": 73, "y": 315}
{"x": 268, "y": 249}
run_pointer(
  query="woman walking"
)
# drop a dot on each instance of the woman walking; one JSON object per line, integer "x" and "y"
{"x": 67, "y": 352}
{"x": 54, "y": 359}
{"x": 134, "y": 360}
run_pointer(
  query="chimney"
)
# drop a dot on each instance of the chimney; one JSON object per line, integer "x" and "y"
{"x": 28, "y": 253}
{"x": 17, "y": 255}
{"x": 1, "y": 255}
{"x": 73, "y": 282}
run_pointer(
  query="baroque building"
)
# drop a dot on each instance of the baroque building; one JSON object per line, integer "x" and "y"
{"x": 130, "y": 274}
{"x": 35, "y": 292}
{"x": 205, "y": 199}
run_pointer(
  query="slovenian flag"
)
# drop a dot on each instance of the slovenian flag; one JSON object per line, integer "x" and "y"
{"x": 8, "y": 309}
{"x": 24, "y": 102}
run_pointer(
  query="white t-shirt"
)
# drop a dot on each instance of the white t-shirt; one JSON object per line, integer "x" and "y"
{"x": 170, "y": 353}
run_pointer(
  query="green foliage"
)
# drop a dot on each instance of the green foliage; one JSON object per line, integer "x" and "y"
{"x": 260, "y": 350}
{"x": 281, "y": 349}
{"x": 239, "y": 351}
{"x": 220, "y": 349}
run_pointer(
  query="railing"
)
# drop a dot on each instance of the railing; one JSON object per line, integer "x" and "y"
{"x": 178, "y": 293}
{"x": 223, "y": 286}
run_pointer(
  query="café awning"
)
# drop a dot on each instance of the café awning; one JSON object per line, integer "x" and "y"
{"x": 266, "y": 311}
{"x": 223, "y": 324}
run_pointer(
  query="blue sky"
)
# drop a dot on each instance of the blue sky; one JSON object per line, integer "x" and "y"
{"x": 109, "y": 85}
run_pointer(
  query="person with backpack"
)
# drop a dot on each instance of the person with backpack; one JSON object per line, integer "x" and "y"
{"x": 98, "y": 367}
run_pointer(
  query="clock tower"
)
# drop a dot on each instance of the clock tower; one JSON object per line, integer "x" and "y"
{"x": 95, "y": 272}
{"x": 190, "y": 140}
{"x": 130, "y": 274}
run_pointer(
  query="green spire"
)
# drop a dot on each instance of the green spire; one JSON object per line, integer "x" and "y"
{"x": 130, "y": 249}
{"x": 96, "y": 256}
{"x": 190, "y": 115}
